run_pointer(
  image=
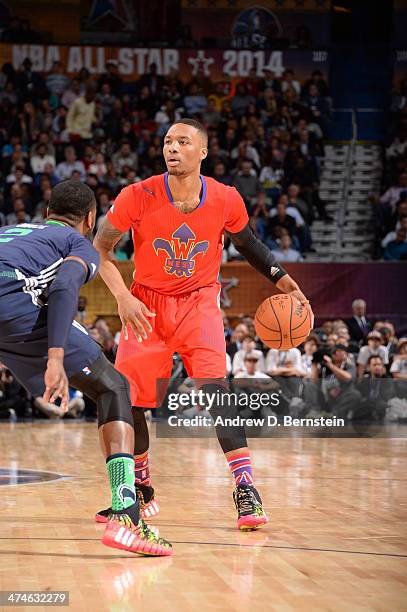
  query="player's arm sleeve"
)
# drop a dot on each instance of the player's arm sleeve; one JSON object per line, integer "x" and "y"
{"x": 63, "y": 301}
{"x": 127, "y": 207}
{"x": 257, "y": 254}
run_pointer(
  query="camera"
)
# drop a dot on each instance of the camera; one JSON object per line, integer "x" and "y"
{"x": 318, "y": 356}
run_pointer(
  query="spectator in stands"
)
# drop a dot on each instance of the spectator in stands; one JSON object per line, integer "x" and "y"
{"x": 317, "y": 105}
{"x": 41, "y": 158}
{"x": 396, "y": 249}
{"x": 395, "y": 192}
{"x": 359, "y": 326}
{"x": 374, "y": 347}
{"x": 399, "y": 369}
{"x": 376, "y": 389}
{"x": 112, "y": 78}
{"x": 220, "y": 174}
{"x": 285, "y": 367}
{"x": 337, "y": 375}
{"x": 124, "y": 157}
{"x": 248, "y": 345}
{"x": 19, "y": 214}
{"x": 278, "y": 222}
{"x": 81, "y": 115}
{"x": 57, "y": 82}
{"x": 391, "y": 236}
{"x": 288, "y": 81}
{"x": 195, "y": 102}
{"x": 318, "y": 80}
{"x": 247, "y": 183}
{"x": 71, "y": 164}
{"x": 284, "y": 253}
{"x": 241, "y": 330}
{"x": 82, "y": 315}
{"x": 389, "y": 340}
{"x": 71, "y": 94}
{"x": 241, "y": 101}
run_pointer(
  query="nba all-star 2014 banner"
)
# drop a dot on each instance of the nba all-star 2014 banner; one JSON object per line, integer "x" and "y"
{"x": 133, "y": 62}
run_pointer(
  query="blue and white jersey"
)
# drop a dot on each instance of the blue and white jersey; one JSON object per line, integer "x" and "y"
{"x": 30, "y": 257}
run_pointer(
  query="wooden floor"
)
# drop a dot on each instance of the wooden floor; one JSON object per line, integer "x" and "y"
{"x": 336, "y": 540}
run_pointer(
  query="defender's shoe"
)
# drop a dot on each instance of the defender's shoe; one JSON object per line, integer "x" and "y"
{"x": 148, "y": 506}
{"x": 121, "y": 532}
{"x": 249, "y": 508}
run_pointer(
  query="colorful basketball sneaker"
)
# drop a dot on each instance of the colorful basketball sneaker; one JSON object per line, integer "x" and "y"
{"x": 148, "y": 506}
{"x": 121, "y": 532}
{"x": 248, "y": 505}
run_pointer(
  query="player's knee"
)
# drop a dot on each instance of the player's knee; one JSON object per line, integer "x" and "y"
{"x": 113, "y": 401}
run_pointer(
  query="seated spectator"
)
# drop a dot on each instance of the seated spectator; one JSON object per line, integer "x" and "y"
{"x": 392, "y": 236}
{"x": 211, "y": 116}
{"x": 19, "y": 214}
{"x": 284, "y": 253}
{"x": 317, "y": 105}
{"x": 395, "y": 192}
{"x": 396, "y": 250}
{"x": 19, "y": 177}
{"x": 288, "y": 81}
{"x": 71, "y": 164}
{"x": 389, "y": 339}
{"x": 271, "y": 178}
{"x": 247, "y": 183}
{"x": 358, "y": 325}
{"x": 376, "y": 388}
{"x": 317, "y": 79}
{"x": 278, "y": 222}
{"x": 235, "y": 344}
{"x": 41, "y": 158}
{"x": 241, "y": 101}
{"x": 399, "y": 369}
{"x": 374, "y": 347}
{"x": 71, "y": 94}
{"x": 98, "y": 167}
{"x": 82, "y": 315}
{"x": 337, "y": 375}
{"x": 285, "y": 368}
{"x": 195, "y": 102}
{"x": 303, "y": 239}
{"x": 124, "y": 157}
{"x": 220, "y": 174}
{"x": 248, "y": 346}
{"x": 112, "y": 78}
{"x": 57, "y": 82}
{"x": 310, "y": 347}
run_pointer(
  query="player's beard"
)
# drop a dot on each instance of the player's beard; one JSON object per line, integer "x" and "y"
{"x": 176, "y": 171}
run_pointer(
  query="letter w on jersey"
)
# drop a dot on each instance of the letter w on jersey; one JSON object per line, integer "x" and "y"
{"x": 181, "y": 251}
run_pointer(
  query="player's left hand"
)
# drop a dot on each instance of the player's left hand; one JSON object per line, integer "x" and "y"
{"x": 56, "y": 383}
{"x": 301, "y": 298}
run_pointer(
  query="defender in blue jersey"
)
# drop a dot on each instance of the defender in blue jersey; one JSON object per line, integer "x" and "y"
{"x": 42, "y": 268}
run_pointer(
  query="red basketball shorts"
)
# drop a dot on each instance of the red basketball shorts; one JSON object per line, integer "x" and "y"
{"x": 189, "y": 324}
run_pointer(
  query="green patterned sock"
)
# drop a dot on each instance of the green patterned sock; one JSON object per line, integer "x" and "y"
{"x": 120, "y": 468}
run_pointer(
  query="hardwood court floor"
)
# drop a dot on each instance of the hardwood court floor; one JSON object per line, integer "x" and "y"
{"x": 336, "y": 540}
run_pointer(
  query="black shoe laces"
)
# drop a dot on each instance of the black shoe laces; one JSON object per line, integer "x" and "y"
{"x": 246, "y": 500}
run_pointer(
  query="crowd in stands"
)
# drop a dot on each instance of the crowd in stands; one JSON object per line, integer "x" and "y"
{"x": 354, "y": 369}
{"x": 391, "y": 207}
{"x": 265, "y": 138}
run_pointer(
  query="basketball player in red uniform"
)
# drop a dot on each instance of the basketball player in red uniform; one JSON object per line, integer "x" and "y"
{"x": 178, "y": 221}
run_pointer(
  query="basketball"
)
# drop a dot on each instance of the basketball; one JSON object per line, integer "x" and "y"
{"x": 282, "y": 322}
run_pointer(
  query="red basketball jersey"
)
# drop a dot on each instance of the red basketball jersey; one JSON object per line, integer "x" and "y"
{"x": 176, "y": 252}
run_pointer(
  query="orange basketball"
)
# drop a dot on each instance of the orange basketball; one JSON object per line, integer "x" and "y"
{"x": 282, "y": 322}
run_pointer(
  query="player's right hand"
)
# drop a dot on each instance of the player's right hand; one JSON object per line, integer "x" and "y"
{"x": 56, "y": 383}
{"x": 134, "y": 313}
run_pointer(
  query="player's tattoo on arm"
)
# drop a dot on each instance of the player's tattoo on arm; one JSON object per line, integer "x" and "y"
{"x": 107, "y": 236}
{"x": 257, "y": 254}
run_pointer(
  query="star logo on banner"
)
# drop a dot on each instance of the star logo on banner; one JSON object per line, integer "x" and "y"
{"x": 200, "y": 61}
{"x": 103, "y": 8}
{"x": 226, "y": 284}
